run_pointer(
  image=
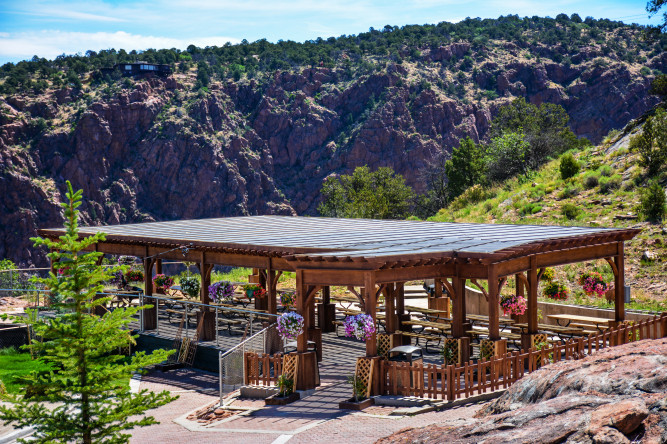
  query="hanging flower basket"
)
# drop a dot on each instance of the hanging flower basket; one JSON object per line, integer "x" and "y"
{"x": 593, "y": 283}
{"x": 190, "y": 285}
{"x": 288, "y": 299}
{"x": 221, "y": 291}
{"x": 556, "y": 290}
{"x": 134, "y": 276}
{"x": 162, "y": 282}
{"x": 290, "y": 325}
{"x": 254, "y": 290}
{"x": 360, "y": 326}
{"x": 513, "y": 304}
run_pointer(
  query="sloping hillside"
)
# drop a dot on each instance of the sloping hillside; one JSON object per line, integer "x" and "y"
{"x": 255, "y": 128}
{"x": 605, "y": 193}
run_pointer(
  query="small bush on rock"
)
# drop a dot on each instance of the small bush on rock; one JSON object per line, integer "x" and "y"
{"x": 569, "y": 167}
{"x": 570, "y": 211}
{"x": 591, "y": 181}
{"x": 653, "y": 202}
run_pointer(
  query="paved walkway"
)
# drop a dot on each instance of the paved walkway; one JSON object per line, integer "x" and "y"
{"x": 315, "y": 418}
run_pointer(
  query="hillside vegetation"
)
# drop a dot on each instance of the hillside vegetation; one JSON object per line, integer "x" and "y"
{"x": 605, "y": 192}
{"x": 256, "y": 128}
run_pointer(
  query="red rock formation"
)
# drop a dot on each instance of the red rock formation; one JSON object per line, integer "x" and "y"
{"x": 159, "y": 151}
{"x": 615, "y": 396}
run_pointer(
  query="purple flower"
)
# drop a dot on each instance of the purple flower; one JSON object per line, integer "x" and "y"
{"x": 221, "y": 291}
{"x": 360, "y": 326}
{"x": 290, "y": 325}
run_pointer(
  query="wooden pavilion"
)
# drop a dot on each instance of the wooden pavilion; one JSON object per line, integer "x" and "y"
{"x": 378, "y": 256}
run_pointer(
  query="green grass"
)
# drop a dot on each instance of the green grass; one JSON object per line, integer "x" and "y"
{"x": 14, "y": 365}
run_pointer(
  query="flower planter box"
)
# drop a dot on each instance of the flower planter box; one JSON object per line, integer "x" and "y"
{"x": 351, "y": 404}
{"x": 282, "y": 400}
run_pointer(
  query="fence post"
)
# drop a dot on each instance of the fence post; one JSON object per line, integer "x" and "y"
{"x": 157, "y": 316}
{"x": 187, "y": 321}
{"x": 217, "y": 338}
{"x": 141, "y": 312}
{"x": 251, "y": 319}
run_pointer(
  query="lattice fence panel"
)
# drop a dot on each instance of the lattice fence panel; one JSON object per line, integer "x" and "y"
{"x": 364, "y": 371}
{"x": 452, "y": 354}
{"x": 384, "y": 344}
{"x": 486, "y": 349}
{"x": 290, "y": 366}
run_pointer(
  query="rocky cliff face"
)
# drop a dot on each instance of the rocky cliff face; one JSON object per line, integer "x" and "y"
{"x": 614, "y": 396}
{"x": 153, "y": 149}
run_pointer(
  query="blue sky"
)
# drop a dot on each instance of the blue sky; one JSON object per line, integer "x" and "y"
{"x": 48, "y": 28}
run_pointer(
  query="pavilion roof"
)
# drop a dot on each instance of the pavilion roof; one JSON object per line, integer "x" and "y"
{"x": 335, "y": 239}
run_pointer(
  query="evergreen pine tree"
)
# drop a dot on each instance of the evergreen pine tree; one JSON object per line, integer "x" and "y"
{"x": 85, "y": 395}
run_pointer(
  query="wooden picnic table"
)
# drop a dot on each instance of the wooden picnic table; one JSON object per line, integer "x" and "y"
{"x": 429, "y": 313}
{"x": 482, "y": 318}
{"x": 442, "y": 328}
{"x": 581, "y": 321}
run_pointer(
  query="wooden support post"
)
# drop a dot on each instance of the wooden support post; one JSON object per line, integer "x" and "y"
{"x": 158, "y": 266}
{"x": 494, "y": 327}
{"x": 301, "y": 290}
{"x": 389, "y": 295}
{"x": 458, "y": 307}
{"x": 326, "y": 295}
{"x": 208, "y": 325}
{"x": 533, "y": 282}
{"x": 149, "y": 315}
{"x": 619, "y": 284}
{"x": 371, "y": 307}
{"x": 326, "y": 312}
{"x": 271, "y": 293}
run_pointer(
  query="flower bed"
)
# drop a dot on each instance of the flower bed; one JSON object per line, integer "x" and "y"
{"x": 556, "y": 290}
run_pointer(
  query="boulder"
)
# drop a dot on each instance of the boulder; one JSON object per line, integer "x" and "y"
{"x": 616, "y": 395}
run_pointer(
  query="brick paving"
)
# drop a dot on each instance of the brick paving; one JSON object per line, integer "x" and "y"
{"x": 316, "y": 418}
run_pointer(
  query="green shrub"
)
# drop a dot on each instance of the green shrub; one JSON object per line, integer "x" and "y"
{"x": 653, "y": 202}
{"x": 568, "y": 192}
{"x": 591, "y": 180}
{"x": 651, "y": 143}
{"x": 606, "y": 170}
{"x": 530, "y": 208}
{"x": 548, "y": 275}
{"x": 570, "y": 211}
{"x": 472, "y": 195}
{"x": 609, "y": 183}
{"x": 569, "y": 167}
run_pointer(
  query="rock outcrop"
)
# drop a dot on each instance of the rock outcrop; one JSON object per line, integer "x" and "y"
{"x": 157, "y": 150}
{"x": 618, "y": 395}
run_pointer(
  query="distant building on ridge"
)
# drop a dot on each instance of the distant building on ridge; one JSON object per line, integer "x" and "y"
{"x": 136, "y": 68}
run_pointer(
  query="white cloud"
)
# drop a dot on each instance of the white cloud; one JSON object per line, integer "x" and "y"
{"x": 75, "y": 15}
{"x": 50, "y": 44}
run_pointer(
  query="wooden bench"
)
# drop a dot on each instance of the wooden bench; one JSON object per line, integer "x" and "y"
{"x": 503, "y": 334}
{"x": 588, "y": 329}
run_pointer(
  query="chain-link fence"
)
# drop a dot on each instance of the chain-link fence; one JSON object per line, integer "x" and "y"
{"x": 232, "y": 365}
{"x": 18, "y": 282}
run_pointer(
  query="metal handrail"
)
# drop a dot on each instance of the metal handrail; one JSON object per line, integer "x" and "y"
{"x": 240, "y": 347}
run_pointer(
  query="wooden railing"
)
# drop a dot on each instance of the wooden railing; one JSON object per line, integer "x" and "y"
{"x": 455, "y": 382}
{"x": 262, "y": 369}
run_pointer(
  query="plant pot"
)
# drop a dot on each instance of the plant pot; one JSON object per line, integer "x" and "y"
{"x": 250, "y": 293}
{"x": 282, "y": 400}
{"x": 351, "y": 404}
